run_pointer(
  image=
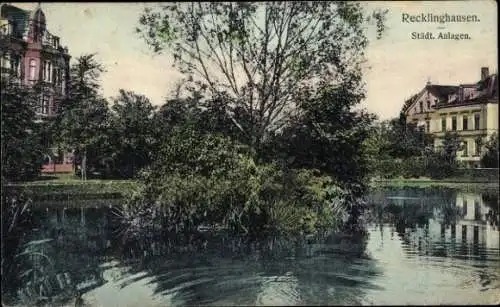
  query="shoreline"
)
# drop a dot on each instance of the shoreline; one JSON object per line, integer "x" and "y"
{"x": 66, "y": 187}
{"x": 431, "y": 183}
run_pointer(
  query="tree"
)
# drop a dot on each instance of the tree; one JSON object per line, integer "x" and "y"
{"x": 443, "y": 162}
{"x": 83, "y": 121}
{"x": 407, "y": 140}
{"x": 262, "y": 55}
{"x": 22, "y": 149}
{"x": 327, "y": 135}
{"x": 207, "y": 117}
{"x": 490, "y": 157}
{"x": 133, "y": 132}
{"x": 451, "y": 145}
{"x": 376, "y": 148}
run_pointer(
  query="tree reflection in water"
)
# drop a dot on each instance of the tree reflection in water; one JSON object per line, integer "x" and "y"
{"x": 70, "y": 246}
{"x": 272, "y": 271}
{"x": 67, "y": 253}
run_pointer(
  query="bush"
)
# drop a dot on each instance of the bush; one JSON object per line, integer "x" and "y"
{"x": 440, "y": 167}
{"x": 414, "y": 167}
{"x": 490, "y": 157}
{"x": 207, "y": 180}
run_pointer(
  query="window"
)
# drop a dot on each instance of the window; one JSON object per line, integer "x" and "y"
{"x": 477, "y": 117}
{"x": 49, "y": 72}
{"x": 453, "y": 123}
{"x": 428, "y": 104}
{"x": 427, "y": 126}
{"x": 477, "y": 210}
{"x": 6, "y": 29}
{"x": 465, "y": 123}
{"x": 421, "y": 106}
{"x": 15, "y": 65}
{"x": 44, "y": 70}
{"x": 443, "y": 123}
{"x": 5, "y": 60}
{"x": 465, "y": 151}
{"x": 45, "y": 105}
{"x": 477, "y": 147}
{"x": 32, "y": 70}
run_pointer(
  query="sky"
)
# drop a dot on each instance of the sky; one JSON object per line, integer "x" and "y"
{"x": 397, "y": 65}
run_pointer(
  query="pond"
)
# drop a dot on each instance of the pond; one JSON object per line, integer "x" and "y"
{"x": 424, "y": 246}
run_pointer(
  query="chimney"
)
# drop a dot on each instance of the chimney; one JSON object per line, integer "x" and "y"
{"x": 485, "y": 72}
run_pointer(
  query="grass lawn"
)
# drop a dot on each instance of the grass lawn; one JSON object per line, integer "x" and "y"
{"x": 61, "y": 186}
{"x": 426, "y": 183}
{"x": 51, "y": 179}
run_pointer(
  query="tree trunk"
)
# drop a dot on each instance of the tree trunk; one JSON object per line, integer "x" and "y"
{"x": 84, "y": 166}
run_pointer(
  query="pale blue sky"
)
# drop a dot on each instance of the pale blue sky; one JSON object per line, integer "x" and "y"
{"x": 399, "y": 66}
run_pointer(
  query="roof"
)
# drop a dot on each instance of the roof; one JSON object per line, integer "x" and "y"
{"x": 18, "y": 17}
{"x": 442, "y": 91}
{"x": 484, "y": 91}
{"x": 410, "y": 101}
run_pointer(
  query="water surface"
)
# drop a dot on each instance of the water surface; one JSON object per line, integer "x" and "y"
{"x": 423, "y": 247}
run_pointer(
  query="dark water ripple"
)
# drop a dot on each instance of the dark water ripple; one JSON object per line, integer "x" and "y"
{"x": 422, "y": 248}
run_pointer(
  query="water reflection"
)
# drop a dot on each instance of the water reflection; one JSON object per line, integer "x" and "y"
{"x": 447, "y": 242}
{"x": 437, "y": 247}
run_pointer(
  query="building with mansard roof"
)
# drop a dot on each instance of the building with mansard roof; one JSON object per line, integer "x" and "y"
{"x": 470, "y": 110}
{"x": 33, "y": 55}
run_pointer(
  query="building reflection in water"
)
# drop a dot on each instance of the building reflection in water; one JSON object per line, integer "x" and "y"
{"x": 475, "y": 221}
{"x": 457, "y": 225}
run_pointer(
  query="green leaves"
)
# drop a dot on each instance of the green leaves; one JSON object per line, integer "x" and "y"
{"x": 133, "y": 125}
{"x": 490, "y": 157}
{"x": 22, "y": 149}
{"x": 263, "y": 55}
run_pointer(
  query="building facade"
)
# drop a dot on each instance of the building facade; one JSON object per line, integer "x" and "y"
{"x": 34, "y": 56}
{"x": 470, "y": 110}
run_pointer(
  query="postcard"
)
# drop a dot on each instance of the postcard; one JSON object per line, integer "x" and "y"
{"x": 249, "y": 153}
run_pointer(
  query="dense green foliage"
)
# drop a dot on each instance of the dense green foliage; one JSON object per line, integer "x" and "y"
{"x": 114, "y": 141}
{"x": 280, "y": 149}
{"x": 442, "y": 162}
{"x": 207, "y": 179}
{"x": 22, "y": 146}
{"x": 83, "y": 122}
{"x": 325, "y": 135}
{"x": 399, "y": 149}
{"x": 133, "y": 137}
{"x": 490, "y": 157}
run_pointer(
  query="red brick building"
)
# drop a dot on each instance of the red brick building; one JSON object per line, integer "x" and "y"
{"x": 32, "y": 54}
